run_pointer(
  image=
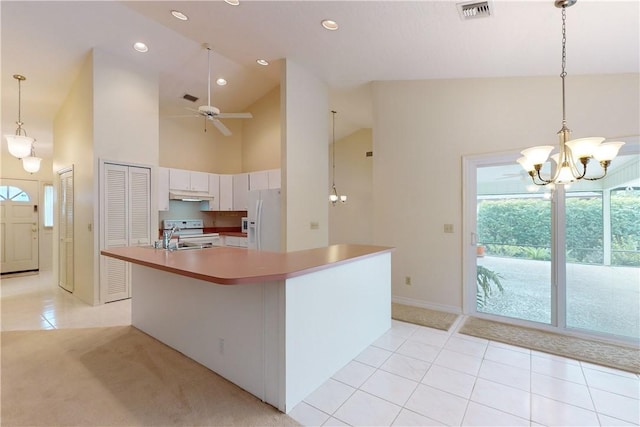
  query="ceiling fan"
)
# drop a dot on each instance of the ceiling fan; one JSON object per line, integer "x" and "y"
{"x": 209, "y": 112}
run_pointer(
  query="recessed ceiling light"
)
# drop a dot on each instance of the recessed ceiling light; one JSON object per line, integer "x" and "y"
{"x": 262, "y": 61}
{"x": 181, "y": 16}
{"x": 221, "y": 82}
{"x": 330, "y": 25}
{"x": 232, "y": 2}
{"x": 140, "y": 47}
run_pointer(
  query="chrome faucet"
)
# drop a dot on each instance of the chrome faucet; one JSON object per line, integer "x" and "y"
{"x": 167, "y": 235}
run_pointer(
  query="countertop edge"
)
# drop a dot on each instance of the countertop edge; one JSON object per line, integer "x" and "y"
{"x": 240, "y": 279}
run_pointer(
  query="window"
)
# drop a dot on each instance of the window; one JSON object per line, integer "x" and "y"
{"x": 48, "y": 206}
{"x": 15, "y": 194}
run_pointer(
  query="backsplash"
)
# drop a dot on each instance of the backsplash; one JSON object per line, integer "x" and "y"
{"x": 191, "y": 210}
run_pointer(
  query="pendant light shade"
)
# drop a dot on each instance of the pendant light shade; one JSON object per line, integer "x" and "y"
{"x": 19, "y": 145}
{"x": 31, "y": 164}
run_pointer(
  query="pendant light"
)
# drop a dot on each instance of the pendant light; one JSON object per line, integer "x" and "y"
{"x": 31, "y": 163}
{"x": 574, "y": 155}
{"x": 333, "y": 195}
{"x": 19, "y": 145}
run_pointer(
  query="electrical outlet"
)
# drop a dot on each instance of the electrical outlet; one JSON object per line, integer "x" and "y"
{"x": 407, "y": 280}
{"x": 448, "y": 228}
{"x": 314, "y": 225}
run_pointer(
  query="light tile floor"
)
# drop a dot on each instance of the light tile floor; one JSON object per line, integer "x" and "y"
{"x": 411, "y": 376}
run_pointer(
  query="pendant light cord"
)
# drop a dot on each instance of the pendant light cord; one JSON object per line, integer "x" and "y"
{"x": 333, "y": 179}
{"x": 563, "y": 74}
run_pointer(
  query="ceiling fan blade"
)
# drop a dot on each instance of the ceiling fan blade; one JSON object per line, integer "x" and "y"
{"x": 221, "y": 127}
{"x": 194, "y": 110}
{"x": 234, "y": 115}
{"x": 182, "y": 116}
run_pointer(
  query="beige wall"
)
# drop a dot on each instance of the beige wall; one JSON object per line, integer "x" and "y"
{"x": 73, "y": 146}
{"x": 423, "y": 128}
{"x": 352, "y": 222}
{"x": 185, "y": 145}
{"x": 304, "y": 118}
{"x": 261, "y": 134}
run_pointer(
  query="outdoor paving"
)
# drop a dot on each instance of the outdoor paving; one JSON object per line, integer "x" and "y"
{"x": 599, "y": 298}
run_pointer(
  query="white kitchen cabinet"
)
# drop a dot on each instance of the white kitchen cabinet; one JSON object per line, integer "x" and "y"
{"x": 214, "y": 191}
{"x": 226, "y": 192}
{"x": 240, "y": 192}
{"x": 162, "y": 188}
{"x": 274, "y": 178}
{"x": 185, "y": 180}
{"x": 237, "y": 241}
{"x": 258, "y": 180}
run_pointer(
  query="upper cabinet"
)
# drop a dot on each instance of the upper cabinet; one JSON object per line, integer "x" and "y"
{"x": 214, "y": 191}
{"x": 226, "y": 193}
{"x": 263, "y": 180}
{"x": 241, "y": 192}
{"x": 162, "y": 187}
{"x": 180, "y": 179}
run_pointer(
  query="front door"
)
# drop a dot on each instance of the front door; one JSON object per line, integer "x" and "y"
{"x": 18, "y": 225}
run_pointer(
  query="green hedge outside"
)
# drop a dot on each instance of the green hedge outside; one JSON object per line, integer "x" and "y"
{"x": 522, "y": 228}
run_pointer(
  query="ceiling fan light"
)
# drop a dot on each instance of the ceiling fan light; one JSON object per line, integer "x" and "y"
{"x": 31, "y": 164}
{"x": 607, "y": 151}
{"x": 537, "y": 155}
{"x": 19, "y": 145}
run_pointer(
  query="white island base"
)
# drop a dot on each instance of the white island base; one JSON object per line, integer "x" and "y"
{"x": 278, "y": 340}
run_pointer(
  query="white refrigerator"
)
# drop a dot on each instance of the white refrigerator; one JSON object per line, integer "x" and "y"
{"x": 264, "y": 220}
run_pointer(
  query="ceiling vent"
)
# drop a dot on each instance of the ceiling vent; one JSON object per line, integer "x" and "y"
{"x": 190, "y": 97}
{"x": 474, "y": 10}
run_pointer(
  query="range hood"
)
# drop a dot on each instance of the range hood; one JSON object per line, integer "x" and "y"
{"x": 189, "y": 196}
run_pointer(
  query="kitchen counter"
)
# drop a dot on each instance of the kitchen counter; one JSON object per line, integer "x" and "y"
{"x": 293, "y": 320}
{"x": 235, "y": 266}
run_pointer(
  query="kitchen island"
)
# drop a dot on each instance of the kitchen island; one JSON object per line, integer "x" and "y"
{"x": 276, "y": 324}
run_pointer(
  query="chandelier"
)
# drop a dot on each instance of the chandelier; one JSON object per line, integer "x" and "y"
{"x": 333, "y": 195}
{"x": 573, "y": 157}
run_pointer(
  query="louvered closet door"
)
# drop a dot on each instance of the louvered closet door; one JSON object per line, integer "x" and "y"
{"x": 127, "y": 215}
{"x": 115, "y": 274}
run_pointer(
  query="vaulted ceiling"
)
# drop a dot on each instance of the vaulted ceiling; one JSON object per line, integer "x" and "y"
{"x": 377, "y": 40}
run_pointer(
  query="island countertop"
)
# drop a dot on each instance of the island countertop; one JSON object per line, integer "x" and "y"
{"x": 233, "y": 266}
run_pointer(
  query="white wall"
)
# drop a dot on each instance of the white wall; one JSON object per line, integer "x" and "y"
{"x": 352, "y": 222}
{"x": 304, "y": 115}
{"x": 110, "y": 113}
{"x": 423, "y": 128}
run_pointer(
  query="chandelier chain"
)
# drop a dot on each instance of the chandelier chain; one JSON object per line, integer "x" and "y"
{"x": 563, "y": 74}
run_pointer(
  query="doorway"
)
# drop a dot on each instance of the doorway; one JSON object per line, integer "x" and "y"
{"x": 19, "y": 225}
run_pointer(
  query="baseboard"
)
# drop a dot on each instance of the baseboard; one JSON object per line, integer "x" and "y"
{"x": 432, "y": 306}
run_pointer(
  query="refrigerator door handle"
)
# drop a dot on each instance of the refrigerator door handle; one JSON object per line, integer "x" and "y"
{"x": 259, "y": 224}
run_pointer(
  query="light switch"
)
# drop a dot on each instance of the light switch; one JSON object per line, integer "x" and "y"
{"x": 448, "y": 228}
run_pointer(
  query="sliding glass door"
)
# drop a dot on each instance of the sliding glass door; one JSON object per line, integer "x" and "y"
{"x": 568, "y": 257}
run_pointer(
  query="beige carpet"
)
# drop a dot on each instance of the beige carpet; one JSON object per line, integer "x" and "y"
{"x": 117, "y": 376}
{"x": 423, "y": 316}
{"x": 598, "y": 352}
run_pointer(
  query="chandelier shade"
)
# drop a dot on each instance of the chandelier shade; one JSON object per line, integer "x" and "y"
{"x": 574, "y": 155}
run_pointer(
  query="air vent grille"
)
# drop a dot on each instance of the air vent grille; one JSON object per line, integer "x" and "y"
{"x": 474, "y": 10}
{"x": 190, "y": 97}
